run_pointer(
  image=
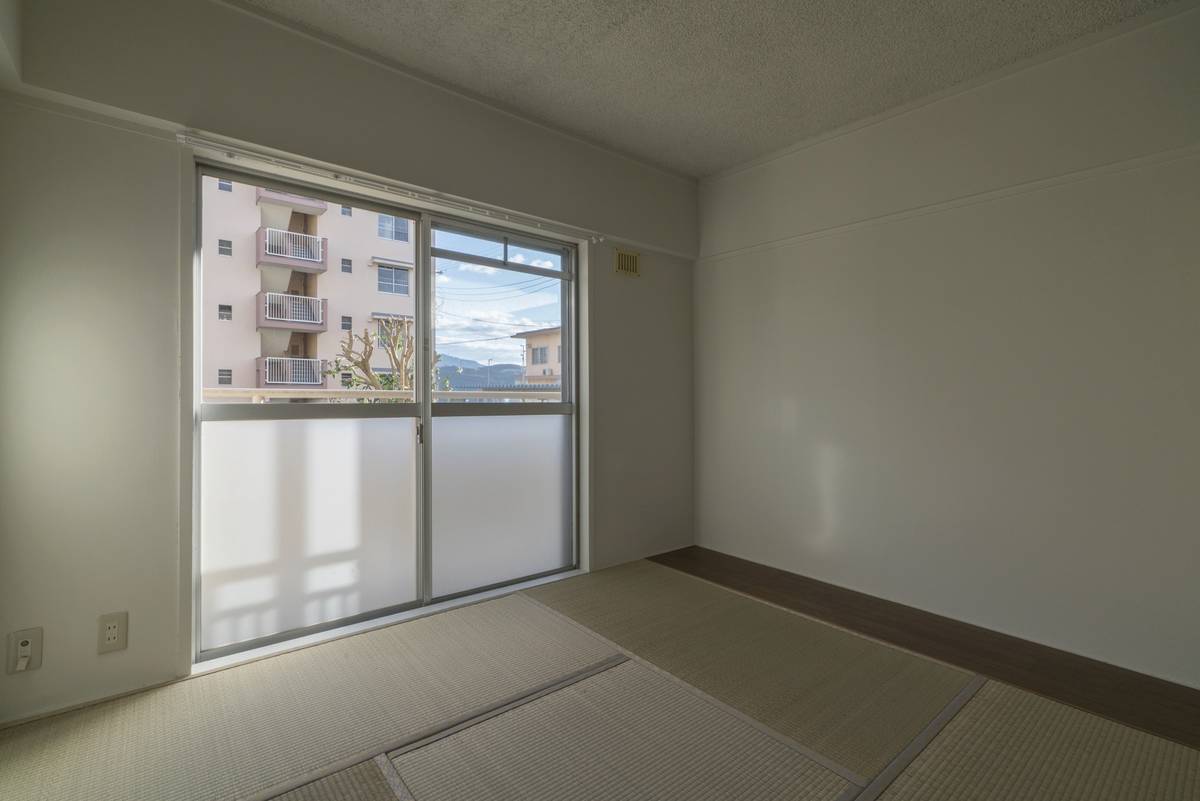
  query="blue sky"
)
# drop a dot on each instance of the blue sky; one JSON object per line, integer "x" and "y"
{"x": 478, "y": 308}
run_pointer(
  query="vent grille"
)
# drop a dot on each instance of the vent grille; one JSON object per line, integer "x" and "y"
{"x": 627, "y": 264}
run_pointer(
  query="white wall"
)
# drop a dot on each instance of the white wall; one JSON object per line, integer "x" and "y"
{"x": 640, "y": 341}
{"x": 10, "y": 41}
{"x": 209, "y": 66}
{"x": 89, "y": 408}
{"x": 949, "y": 358}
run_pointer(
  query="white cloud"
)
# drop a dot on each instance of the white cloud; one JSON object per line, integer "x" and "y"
{"x": 466, "y": 331}
{"x": 477, "y": 268}
{"x": 520, "y": 259}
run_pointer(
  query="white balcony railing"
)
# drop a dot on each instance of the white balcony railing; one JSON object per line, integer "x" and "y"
{"x": 293, "y": 308}
{"x": 292, "y": 245}
{"x": 283, "y": 370}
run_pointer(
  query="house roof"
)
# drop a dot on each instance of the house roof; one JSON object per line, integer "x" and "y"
{"x": 526, "y": 334}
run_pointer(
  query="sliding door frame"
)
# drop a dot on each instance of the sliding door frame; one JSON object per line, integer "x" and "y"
{"x": 422, "y": 409}
{"x": 567, "y": 405}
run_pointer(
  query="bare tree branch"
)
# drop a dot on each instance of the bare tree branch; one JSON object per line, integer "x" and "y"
{"x": 394, "y": 335}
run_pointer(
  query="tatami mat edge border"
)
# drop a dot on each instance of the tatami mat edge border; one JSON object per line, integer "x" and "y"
{"x": 441, "y": 729}
{"x": 919, "y": 743}
{"x": 818, "y": 758}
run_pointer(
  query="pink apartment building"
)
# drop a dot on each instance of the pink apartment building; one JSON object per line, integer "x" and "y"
{"x": 285, "y": 277}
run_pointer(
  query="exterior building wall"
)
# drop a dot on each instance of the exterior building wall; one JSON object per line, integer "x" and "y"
{"x": 237, "y": 280}
{"x": 551, "y": 371}
{"x": 356, "y": 294}
{"x": 229, "y": 280}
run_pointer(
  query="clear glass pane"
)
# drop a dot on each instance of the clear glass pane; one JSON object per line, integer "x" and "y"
{"x": 282, "y": 325}
{"x": 502, "y": 505}
{"x": 304, "y": 522}
{"x": 498, "y": 334}
{"x": 473, "y": 244}
{"x": 533, "y": 256}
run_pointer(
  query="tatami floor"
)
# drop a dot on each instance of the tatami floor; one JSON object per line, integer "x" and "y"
{"x": 637, "y": 682}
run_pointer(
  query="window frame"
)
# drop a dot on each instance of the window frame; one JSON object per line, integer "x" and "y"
{"x": 420, "y": 222}
{"x": 392, "y": 220}
{"x": 569, "y": 275}
{"x": 393, "y": 269}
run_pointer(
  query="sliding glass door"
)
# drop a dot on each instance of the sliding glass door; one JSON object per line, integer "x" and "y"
{"x": 385, "y": 410}
{"x": 503, "y": 433}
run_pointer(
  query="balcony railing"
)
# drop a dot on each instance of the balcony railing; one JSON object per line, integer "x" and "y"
{"x": 292, "y": 245}
{"x": 286, "y": 370}
{"x": 293, "y": 308}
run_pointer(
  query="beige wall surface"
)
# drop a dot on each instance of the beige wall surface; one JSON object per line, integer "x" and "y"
{"x": 231, "y": 280}
{"x": 963, "y": 372}
{"x": 89, "y": 413}
{"x": 640, "y": 348}
{"x": 356, "y": 294}
{"x": 10, "y": 40}
{"x": 256, "y": 81}
{"x": 549, "y": 371}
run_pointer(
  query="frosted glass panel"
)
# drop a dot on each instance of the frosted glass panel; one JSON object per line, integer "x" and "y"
{"x": 501, "y": 499}
{"x": 303, "y": 522}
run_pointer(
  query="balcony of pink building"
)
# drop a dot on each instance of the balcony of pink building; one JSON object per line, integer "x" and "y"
{"x": 290, "y": 372}
{"x": 295, "y": 251}
{"x": 291, "y": 312}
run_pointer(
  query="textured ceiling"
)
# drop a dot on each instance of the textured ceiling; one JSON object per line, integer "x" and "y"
{"x": 700, "y": 85}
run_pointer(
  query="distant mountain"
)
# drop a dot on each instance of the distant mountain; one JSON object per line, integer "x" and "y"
{"x": 446, "y": 360}
{"x": 469, "y": 374}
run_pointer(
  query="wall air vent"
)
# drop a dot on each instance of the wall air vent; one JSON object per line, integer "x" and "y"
{"x": 627, "y": 264}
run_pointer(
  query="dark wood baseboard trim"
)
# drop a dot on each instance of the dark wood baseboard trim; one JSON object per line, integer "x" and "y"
{"x": 1153, "y": 705}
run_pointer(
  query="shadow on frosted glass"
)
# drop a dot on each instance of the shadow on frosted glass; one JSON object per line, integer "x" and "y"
{"x": 501, "y": 499}
{"x": 303, "y": 522}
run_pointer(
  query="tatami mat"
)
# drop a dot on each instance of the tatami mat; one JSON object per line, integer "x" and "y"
{"x": 361, "y": 782}
{"x": 1007, "y": 744}
{"x": 626, "y": 733}
{"x": 241, "y": 732}
{"x": 853, "y": 700}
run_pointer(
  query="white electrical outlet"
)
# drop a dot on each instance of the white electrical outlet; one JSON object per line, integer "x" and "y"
{"x": 113, "y": 634}
{"x": 24, "y": 651}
